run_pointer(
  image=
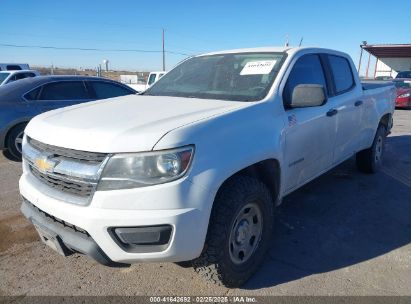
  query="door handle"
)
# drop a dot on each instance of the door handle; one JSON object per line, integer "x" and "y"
{"x": 358, "y": 103}
{"x": 332, "y": 112}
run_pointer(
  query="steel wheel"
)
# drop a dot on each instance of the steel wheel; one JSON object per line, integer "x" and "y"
{"x": 245, "y": 233}
{"x": 378, "y": 149}
{"x": 18, "y": 142}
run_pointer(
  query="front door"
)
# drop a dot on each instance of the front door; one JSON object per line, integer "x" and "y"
{"x": 310, "y": 131}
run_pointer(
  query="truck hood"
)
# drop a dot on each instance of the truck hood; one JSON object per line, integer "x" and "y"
{"x": 123, "y": 124}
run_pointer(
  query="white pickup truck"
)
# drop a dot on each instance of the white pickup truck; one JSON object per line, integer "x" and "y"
{"x": 191, "y": 170}
{"x": 152, "y": 78}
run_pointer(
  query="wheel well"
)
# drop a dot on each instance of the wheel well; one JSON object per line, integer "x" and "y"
{"x": 386, "y": 120}
{"x": 11, "y": 129}
{"x": 267, "y": 171}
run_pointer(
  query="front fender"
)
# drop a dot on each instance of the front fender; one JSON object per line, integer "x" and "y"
{"x": 228, "y": 143}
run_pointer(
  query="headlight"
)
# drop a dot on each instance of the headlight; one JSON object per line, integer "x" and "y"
{"x": 125, "y": 171}
{"x": 404, "y": 95}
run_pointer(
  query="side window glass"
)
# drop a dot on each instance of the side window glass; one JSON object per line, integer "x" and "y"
{"x": 21, "y": 76}
{"x": 64, "y": 90}
{"x": 13, "y": 67}
{"x": 12, "y": 78}
{"x": 342, "y": 74}
{"x": 307, "y": 70}
{"x": 152, "y": 79}
{"x": 108, "y": 90}
{"x": 32, "y": 95}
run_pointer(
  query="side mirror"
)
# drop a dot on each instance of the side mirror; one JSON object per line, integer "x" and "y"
{"x": 308, "y": 95}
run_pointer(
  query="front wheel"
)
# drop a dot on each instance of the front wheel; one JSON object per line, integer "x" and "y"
{"x": 370, "y": 160}
{"x": 14, "y": 141}
{"x": 239, "y": 232}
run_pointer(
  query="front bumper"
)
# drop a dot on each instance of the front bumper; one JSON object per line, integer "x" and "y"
{"x": 189, "y": 221}
{"x": 70, "y": 236}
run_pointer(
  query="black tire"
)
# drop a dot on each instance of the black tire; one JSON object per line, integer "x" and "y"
{"x": 216, "y": 262}
{"x": 370, "y": 160}
{"x": 184, "y": 264}
{"x": 13, "y": 144}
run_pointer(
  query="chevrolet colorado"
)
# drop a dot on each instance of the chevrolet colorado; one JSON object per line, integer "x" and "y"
{"x": 191, "y": 170}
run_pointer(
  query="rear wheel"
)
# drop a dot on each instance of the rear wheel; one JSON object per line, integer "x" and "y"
{"x": 239, "y": 232}
{"x": 14, "y": 141}
{"x": 370, "y": 160}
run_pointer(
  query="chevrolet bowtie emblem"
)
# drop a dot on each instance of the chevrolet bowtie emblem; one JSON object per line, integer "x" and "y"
{"x": 44, "y": 164}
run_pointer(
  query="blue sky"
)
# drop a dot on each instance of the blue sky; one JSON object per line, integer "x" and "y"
{"x": 192, "y": 27}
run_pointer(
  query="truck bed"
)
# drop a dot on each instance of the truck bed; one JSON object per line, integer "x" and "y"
{"x": 370, "y": 84}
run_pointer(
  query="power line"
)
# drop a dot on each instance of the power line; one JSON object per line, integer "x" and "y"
{"x": 92, "y": 49}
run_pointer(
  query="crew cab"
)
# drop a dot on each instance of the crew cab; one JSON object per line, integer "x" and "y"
{"x": 191, "y": 170}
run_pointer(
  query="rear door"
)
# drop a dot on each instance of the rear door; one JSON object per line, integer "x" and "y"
{"x": 348, "y": 106}
{"x": 310, "y": 132}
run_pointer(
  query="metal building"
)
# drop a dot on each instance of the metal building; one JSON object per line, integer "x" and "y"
{"x": 390, "y": 59}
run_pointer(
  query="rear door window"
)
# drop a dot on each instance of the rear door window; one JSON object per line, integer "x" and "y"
{"x": 108, "y": 90}
{"x": 342, "y": 73}
{"x": 307, "y": 70}
{"x": 64, "y": 90}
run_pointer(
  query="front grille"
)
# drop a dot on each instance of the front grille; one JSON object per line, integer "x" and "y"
{"x": 80, "y": 188}
{"x": 69, "y": 153}
{"x": 75, "y": 187}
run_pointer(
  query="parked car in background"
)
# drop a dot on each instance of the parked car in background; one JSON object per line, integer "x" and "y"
{"x": 383, "y": 78}
{"x": 403, "y": 87}
{"x": 14, "y": 66}
{"x": 10, "y": 76}
{"x": 192, "y": 169}
{"x": 22, "y": 100}
{"x": 403, "y": 75}
{"x": 153, "y": 77}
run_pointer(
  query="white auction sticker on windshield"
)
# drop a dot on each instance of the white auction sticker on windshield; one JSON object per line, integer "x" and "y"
{"x": 258, "y": 67}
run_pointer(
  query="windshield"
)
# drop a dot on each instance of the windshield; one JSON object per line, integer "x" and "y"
{"x": 235, "y": 77}
{"x": 3, "y": 76}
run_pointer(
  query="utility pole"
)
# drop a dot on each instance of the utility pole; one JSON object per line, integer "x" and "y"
{"x": 164, "y": 55}
{"x": 364, "y": 43}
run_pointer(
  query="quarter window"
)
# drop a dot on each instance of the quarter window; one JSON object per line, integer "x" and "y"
{"x": 64, "y": 90}
{"x": 32, "y": 95}
{"x": 342, "y": 73}
{"x": 307, "y": 70}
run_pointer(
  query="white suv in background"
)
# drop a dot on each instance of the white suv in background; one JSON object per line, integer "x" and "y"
{"x": 10, "y": 76}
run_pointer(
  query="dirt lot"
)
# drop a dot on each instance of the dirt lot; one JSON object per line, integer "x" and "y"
{"x": 345, "y": 233}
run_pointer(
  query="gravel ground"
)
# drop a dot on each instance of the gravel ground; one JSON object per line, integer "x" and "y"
{"x": 345, "y": 233}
